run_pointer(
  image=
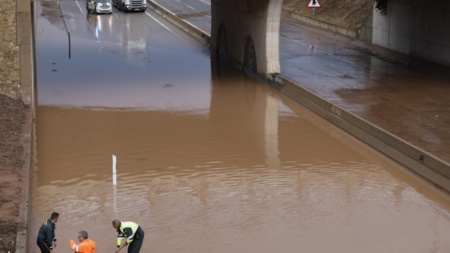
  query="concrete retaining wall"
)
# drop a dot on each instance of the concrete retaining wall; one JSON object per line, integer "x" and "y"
{"x": 417, "y": 28}
{"x": 366, "y": 30}
{"x": 430, "y": 167}
{"x": 320, "y": 23}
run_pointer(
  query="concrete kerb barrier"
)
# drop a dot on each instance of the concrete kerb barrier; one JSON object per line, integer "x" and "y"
{"x": 423, "y": 163}
{"x": 28, "y": 61}
{"x": 320, "y": 23}
{"x": 430, "y": 167}
{"x": 189, "y": 28}
{"x": 25, "y": 206}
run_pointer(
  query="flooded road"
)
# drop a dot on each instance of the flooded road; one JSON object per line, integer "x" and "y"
{"x": 209, "y": 160}
{"x": 405, "y": 96}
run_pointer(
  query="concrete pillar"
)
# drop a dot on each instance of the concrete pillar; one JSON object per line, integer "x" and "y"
{"x": 247, "y": 32}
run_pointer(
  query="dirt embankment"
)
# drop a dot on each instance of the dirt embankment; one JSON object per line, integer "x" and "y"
{"x": 347, "y": 13}
{"x": 13, "y": 179}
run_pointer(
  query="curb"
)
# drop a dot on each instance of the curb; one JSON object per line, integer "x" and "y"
{"x": 320, "y": 23}
{"x": 423, "y": 163}
{"x": 25, "y": 206}
{"x": 430, "y": 167}
{"x": 189, "y": 28}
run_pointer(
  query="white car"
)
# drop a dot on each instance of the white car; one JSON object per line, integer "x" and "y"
{"x": 99, "y": 6}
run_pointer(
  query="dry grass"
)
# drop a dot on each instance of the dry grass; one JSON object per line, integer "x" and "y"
{"x": 347, "y": 13}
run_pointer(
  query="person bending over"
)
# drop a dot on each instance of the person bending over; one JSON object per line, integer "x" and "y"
{"x": 130, "y": 231}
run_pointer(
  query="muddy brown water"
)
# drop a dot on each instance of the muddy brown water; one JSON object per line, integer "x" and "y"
{"x": 209, "y": 160}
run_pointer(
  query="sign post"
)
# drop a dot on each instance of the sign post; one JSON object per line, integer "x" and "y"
{"x": 314, "y": 4}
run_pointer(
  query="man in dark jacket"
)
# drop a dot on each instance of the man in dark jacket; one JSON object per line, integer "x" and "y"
{"x": 46, "y": 237}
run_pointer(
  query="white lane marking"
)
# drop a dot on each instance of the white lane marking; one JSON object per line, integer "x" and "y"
{"x": 205, "y": 2}
{"x": 167, "y": 28}
{"x": 96, "y": 30}
{"x": 78, "y": 3}
{"x": 191, "y": 7}
{"x": 148, "y": 14}
{"x": 178, "y": 1}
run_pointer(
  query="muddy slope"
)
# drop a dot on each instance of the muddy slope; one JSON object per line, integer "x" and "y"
{"x": 13, "y": 174}
{"x": 348, "y": 13}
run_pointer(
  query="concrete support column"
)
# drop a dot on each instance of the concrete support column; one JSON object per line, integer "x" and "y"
{"x": 247, "y": 32}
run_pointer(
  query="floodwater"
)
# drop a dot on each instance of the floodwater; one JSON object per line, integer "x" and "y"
{"x": 209, "y": 160}
{"x": 399, "y": 93}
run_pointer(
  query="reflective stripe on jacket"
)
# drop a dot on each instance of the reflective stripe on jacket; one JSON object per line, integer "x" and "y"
{"x": 127, "y": 230}
{"x": 87, "y": 246}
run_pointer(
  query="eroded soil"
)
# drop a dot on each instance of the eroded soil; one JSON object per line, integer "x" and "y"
{"x": 13, "y": 176}
{"x": 348, "y": 13}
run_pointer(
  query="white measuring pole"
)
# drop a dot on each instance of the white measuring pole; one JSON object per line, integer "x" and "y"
{"x": 114, "y": 158}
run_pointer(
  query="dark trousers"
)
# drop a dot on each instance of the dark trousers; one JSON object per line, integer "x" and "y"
{"x": 42, "y": 246}
{"x": 136, "y": 244}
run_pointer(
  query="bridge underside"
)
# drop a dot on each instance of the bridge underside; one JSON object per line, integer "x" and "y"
{"x": 247, "y": 32}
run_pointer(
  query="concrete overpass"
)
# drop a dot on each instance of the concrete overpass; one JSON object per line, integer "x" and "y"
{"x": 255, "y": 44}
{"x": 247, "y": 32}
{"x": 415, "y": 28}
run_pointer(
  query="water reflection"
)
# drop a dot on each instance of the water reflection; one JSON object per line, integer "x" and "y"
{"x": 126, "y": 70}
{"x": 271, "y": 127}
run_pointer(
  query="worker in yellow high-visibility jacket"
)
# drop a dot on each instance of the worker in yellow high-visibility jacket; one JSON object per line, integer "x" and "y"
{"x": 86, "y": 245}
{"x": 130, "y": 231}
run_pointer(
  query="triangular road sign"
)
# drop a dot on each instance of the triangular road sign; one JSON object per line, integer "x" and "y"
{"x": 313, "y": 4}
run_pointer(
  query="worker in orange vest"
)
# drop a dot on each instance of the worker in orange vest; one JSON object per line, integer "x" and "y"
{"x": 86, "y": 245}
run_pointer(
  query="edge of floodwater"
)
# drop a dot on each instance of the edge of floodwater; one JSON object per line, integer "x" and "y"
{"x": 421, "y": 162}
